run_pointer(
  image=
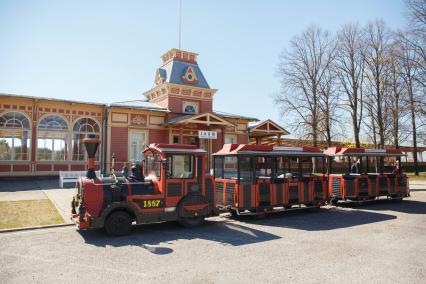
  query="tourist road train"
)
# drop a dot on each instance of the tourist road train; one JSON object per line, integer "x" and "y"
{"x": 171, "y": 184}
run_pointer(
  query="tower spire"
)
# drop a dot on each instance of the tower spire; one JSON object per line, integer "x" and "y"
{"x": 180, "y": 21}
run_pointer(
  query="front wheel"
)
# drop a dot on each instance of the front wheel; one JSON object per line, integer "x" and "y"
{"x": 190, "y": 222}
{"x": 118, "y": 223}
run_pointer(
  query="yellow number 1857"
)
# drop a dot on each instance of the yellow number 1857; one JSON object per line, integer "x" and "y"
{"x": 151, "y": 203}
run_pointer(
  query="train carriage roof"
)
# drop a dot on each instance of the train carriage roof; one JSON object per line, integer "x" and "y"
{"x": 339, "y": 151}
{"x": 267, "y": 150}
{"x": 176, "y": 148}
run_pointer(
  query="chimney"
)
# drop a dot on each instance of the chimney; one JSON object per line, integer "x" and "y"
{"x": 91, "y": 144}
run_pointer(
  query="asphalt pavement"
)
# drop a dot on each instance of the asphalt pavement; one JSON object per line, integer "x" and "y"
{"x": 381, "y": 242}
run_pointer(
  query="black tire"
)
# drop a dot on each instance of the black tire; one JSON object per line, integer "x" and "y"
{"x": 118, "y": 223}
{"x": 233, "y": 213}
{"x": 334, "y": 202}
{"x": 190, "y": 222}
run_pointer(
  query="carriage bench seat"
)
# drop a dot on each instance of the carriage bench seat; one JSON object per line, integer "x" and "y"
{"x": 72, "y": 176}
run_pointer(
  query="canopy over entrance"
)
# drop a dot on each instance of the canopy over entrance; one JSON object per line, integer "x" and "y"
{"x": 266, "y": 128}
{"x": 208, "y": 119}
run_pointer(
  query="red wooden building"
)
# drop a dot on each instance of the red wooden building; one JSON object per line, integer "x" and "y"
{"x": 41, "y": 136}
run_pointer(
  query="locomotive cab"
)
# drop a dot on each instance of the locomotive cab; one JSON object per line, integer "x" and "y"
{"x": 358, "y": 174}
{"x": 170, "y": 184}
{"x": 257, "y": 179}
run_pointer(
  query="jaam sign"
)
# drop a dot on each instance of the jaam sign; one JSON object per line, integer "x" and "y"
{"x": 202, "y": 134}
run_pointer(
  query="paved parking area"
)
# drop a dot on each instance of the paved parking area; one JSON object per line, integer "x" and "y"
{"x": 381, "y": 242}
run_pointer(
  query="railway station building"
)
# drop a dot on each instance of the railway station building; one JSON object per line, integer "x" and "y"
{"x": 42, "y": 136}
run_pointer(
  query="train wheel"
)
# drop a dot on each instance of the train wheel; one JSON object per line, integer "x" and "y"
{"x": 233, "y": 213}
{"x": 190, "y": 222}
{"x": 118, "y": 223}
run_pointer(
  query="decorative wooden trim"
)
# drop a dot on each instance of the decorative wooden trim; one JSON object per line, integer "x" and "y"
{"x": 115, "y": 117}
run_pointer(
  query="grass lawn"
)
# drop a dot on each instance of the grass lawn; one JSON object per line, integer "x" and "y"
{"x": 28, "y": 213}
{"x": 420, "y": 177}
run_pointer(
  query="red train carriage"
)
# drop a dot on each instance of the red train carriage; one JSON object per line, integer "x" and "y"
{"x": 256, "y": 179}
{"x": 365, "y": 174}
{"x": 169, "y": 185}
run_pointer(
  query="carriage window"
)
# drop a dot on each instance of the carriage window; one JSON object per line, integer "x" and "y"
{"x": 373, "y": 165}
{"x": 319, "y": 165}
{"x": 339, "y": 164}
{"x": 281, "y": 168}
{"x": 294, "y": 166}
{"x": 230, "y": 168}
{"x": 180, "y": 166}
{"x": 306, "y": 165}
{"x": 153, "y": 163}
{"x": 263, "y": 167}
{"x": 388, "y": 164}
{"x": 246, "y": 171}
{"x": 218, "y": 167}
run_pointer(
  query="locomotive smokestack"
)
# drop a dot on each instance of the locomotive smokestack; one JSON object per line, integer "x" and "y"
{"x": 91, "y": 144}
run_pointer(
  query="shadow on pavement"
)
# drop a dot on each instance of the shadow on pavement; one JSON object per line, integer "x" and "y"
{"x": 149, "y": 236}
{"x": 322, "y": 219}
{"x": 405, "y": 206}
{"x": 23, "y": 185}
{"x": 231, "y": 232}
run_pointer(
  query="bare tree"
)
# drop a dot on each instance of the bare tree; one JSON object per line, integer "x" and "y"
{"x": 397, "y": 92}
{"x": 376, "y": 60}
{"x": 350, "y": 71}
{"x": 417, "y": 14}
{"x": 416, "y": 36}
{"x": 302, "y": 70}
{"x": 409, "y": 71}
{"x": 328, "y": 103}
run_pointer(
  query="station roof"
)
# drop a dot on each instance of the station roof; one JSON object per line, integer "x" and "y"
{"x": 263, "y": 150}
{"x": 140, "y": 104}
{"x": 176, "y": 148}
{"x": 236, "y": 116}
{"x": 266, "y": 128}
{"x": 340, "y": 151}
{"x": 174, "y": 70}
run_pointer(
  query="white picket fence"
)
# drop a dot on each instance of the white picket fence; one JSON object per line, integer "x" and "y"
{"x": 72, "y": 176}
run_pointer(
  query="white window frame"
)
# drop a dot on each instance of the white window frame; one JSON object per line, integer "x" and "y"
{"x": 73, "y": 133}
{"x": 42, "y": 135}
{"x": 234, "y": 138}
{"x": 195, "y": 105}
{"x": 131, "y": 132}
{"x": 29, "y": 132}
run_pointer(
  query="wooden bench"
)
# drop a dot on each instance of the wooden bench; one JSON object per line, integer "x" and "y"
{"x": 72, "y": 176}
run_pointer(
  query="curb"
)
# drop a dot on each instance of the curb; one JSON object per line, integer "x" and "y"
{"x": 35, "y": 228}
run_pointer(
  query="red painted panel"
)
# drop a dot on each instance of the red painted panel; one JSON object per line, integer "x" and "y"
{"x": 21, "y": 168}
{"x": 119, "y": 143}
{"x": 242, "y": 139}
{"x": 60, "y": 167}
{"x": 4, "y": 168}
{"x": 206, "y": 106}
{"x": 158, "y": 136}
{"x": 77, "y": 167}
{"x": 44, "y": 167}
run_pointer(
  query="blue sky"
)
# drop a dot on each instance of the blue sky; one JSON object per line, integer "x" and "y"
{"x": 106, "y": 51}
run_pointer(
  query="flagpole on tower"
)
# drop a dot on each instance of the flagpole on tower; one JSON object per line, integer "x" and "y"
{"x": 180, "y": 19}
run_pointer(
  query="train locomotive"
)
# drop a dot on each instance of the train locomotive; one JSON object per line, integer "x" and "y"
{"x": 171, "y": 184}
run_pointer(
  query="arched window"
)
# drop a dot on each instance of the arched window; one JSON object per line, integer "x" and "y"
{"x": 52, "y": 138}
{"x": 15, "y": 133}
{"x": 190, "y": 109}
{"x": 82, "y": 128}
